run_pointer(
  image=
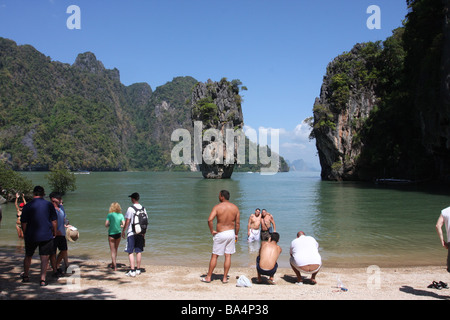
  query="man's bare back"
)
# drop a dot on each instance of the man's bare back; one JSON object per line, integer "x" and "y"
{"x": 269, "y": 253}
{"x": 227, "y": 215}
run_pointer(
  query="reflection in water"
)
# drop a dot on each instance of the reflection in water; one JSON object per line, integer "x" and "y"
{"x": 362, "y": 224}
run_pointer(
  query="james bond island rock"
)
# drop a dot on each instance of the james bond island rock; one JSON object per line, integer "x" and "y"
{"x": 217, "y": 105}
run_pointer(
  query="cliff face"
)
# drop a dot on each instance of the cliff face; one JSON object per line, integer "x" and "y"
{"x": 82, "y": 115}
{"x": 436, "y": 124}
{"x": 345, "y": 102}
{"x": 384, "y": 109}
{"x": 217, "y": 105}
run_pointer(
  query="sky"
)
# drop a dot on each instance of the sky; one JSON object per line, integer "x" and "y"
{"x": 279, "y": 49}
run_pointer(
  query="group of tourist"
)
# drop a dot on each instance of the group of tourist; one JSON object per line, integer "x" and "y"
{"x": 304, "y": 253}
{"x": 261, "y": 226}
{"x": 43, "y": 225}
{"x": 120, "y": 226}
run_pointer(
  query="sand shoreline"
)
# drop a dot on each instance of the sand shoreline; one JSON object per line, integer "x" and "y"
{"x": 94, "y": 280}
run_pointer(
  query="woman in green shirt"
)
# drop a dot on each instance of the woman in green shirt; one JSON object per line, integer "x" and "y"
{"x": 114, "y": 222}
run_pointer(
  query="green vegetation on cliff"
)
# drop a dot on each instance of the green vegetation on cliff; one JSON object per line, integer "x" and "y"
{"x": 82, "y": 115}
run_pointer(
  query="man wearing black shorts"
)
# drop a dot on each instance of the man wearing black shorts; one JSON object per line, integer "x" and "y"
{"x": 39, "y": 224}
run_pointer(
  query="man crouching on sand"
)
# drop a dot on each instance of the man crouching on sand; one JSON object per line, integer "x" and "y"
{"x": 266, "y": 262}
{"x": 225, "y": 235}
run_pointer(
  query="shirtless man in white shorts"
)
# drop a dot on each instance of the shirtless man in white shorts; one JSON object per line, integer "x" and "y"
{"x": 225, "y": 235}
{"x": 254, "y": 222}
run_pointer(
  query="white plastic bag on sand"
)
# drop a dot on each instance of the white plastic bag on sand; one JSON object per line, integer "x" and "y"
{"x": 243, "y": 281}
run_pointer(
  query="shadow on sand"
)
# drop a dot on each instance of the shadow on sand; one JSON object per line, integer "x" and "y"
{"x": 67, "y": 287}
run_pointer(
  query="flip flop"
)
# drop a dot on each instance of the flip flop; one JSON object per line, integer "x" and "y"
{"x": 435, "y": 285}
{"x": 204, "y": 280}
{"x": 43, "y": 283}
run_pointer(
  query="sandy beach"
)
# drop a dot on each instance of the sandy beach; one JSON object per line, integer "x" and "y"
{"x": 94, "y": 280}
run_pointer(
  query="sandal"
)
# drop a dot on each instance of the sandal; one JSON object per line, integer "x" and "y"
{"x": 43, "y": 283}
{"x": 25, "y": 278}
{"x": 435, "y": 285}
{"x": 443, "y": 285}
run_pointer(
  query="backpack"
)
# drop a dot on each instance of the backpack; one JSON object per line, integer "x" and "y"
{"x": 139, "y": 221}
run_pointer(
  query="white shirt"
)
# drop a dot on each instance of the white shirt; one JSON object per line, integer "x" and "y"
{"x": 446, "y": 215}
{"x": 305, "y": 251}
{"x": 130, "y": 214}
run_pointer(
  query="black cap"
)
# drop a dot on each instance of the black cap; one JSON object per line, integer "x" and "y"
{"x": 134, "y": 196}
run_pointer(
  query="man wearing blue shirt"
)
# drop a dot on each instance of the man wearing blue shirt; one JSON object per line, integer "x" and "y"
{"x": 39, "y": 223}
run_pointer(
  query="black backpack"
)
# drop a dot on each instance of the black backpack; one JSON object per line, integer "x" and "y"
{"x": 139, "y": 221}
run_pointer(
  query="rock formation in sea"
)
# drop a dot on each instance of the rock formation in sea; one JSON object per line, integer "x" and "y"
{"x": 383, "y": 109}
{"x": 338, "y": 114}
{"x": 217, "y": 106}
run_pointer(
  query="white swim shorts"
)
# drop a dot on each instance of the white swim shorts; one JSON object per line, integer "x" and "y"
{"x": 255, "y": 235}
{"x": 224, "y": 242}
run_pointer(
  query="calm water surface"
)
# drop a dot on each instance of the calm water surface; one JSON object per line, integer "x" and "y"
{"x": 355, "y": 224}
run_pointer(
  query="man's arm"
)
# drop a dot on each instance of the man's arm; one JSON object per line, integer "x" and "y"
{"x": 125, "y": 227}
{"x": 53, "y": 218}
{"x": 273, "y": 223}
{"x": 237, "y": 224}
{"x": 439, "y": 225}
{"x": 211, "y": 218}
{"x": 54, "y": 227}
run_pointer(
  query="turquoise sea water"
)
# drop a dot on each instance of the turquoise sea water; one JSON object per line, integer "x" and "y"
{"x": 356, "y": 224}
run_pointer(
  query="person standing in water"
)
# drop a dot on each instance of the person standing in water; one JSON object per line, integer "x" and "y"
{"x": 254, "y": 222}
{"x": 267, "y": 222}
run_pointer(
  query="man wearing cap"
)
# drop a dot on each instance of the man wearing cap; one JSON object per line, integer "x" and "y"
{"x": 39, "y": 227}
{"x": 135, "y": 242}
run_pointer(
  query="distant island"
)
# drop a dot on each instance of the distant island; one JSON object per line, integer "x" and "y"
{"x": 83, "y": 116}
{"x": 301, "y": 166}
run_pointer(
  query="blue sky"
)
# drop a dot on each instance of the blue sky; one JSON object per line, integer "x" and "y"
{"x": 278, "y": 49}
